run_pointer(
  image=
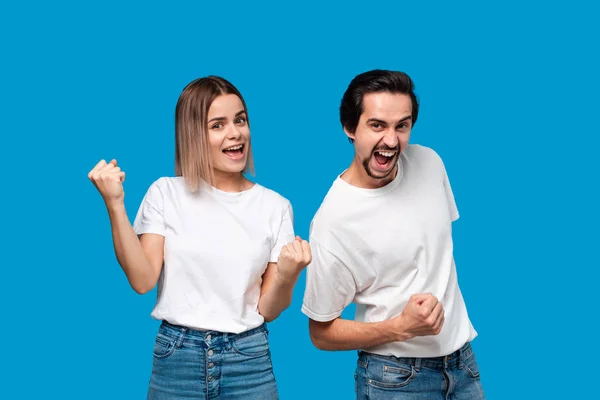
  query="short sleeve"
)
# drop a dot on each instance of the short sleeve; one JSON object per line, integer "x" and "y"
{"x": 150, "y": 215}
{"x": 330, "y": 286}
{"x": 285, "y": 232}
{"x": 450, "y": 197}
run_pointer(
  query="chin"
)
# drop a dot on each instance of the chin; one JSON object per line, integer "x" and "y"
{"x": 233, "y": 169}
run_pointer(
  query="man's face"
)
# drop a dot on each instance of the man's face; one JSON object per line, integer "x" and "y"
{"x": 382, "y": 134}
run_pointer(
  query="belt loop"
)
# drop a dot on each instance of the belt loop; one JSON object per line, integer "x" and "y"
{"x": 180, "y": 338}
{"x": 461, "y": 352}
{"x": 417, "y": 364}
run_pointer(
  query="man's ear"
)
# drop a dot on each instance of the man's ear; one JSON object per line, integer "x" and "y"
{"x": 349, "y": 134}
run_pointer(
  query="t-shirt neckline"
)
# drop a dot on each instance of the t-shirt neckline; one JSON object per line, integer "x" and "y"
{"x": 373, "y": 192}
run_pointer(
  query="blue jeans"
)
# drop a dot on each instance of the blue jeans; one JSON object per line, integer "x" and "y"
{"x": 455, "y": 377}
{"x": 190, "y": 364}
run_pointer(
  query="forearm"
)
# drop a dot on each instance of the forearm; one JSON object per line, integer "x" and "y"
{"x": 277, "y": 298}
{"x": 341, "y": 334}
{"x": 129, "y": 251}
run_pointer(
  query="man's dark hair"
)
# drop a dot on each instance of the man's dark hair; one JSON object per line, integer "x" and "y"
{"x": 375, "y": 81}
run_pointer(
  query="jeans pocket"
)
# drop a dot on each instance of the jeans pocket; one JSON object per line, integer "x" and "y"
{"x": 255, "y": 345}
{"x": 164, "y": 346}
{"x": 393, "y": 376}
{"x": 471, "y": 366}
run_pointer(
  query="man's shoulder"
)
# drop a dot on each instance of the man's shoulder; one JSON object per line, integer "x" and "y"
{"x": 421, "y": 151}
{"x": 332, "y": 203}
{"x": 331, "y": 218}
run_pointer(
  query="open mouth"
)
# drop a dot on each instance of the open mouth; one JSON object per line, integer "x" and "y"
{"x": 383, "y": 159}
{"x": 234, "y": 152}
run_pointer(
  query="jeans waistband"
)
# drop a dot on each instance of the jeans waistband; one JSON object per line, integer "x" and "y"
{"x": 448, "y": 361}
{"x": 178, "y": 330}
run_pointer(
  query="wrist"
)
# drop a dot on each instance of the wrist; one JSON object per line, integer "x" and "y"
{"x": 286, "y": 279}
{"x": 395, "y": 329}
{"x": 115, "y": 206}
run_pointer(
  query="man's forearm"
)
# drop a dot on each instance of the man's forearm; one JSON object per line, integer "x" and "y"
{"x": 341, "y": 334}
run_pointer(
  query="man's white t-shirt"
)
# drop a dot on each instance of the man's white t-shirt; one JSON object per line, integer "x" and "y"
{"x": 377, "y": 247}
{"x": 217, "y": 247}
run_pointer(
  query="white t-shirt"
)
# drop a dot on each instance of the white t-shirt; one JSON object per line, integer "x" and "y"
{"x": 377, "y": 247}
{"x": 217, "y": 246}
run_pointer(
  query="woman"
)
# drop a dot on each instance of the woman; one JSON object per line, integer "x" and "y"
{"x": 221, "y": 248}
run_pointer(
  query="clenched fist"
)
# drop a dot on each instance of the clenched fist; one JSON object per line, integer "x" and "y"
{"x": 423, "y": 315}
{"x": 108, "y": 179}
{"x": 293, "y": 258}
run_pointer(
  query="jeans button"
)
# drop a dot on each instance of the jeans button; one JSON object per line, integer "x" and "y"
{"x": 210, "y": 365}
{"x": 208, "y": 337}
{"x": 210, "y": 353}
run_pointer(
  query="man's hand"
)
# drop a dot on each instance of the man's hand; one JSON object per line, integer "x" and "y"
{"x": 422, "y": 316}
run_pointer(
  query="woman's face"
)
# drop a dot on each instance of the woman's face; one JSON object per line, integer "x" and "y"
{"x": 228, "y": 134}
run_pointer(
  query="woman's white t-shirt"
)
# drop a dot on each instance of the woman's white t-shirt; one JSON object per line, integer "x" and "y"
{"x": 217, "y": 247}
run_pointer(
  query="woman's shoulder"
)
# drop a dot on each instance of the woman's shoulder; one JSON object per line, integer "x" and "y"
{"x": 165, "y": 185}
{"x": 272, "y": 195}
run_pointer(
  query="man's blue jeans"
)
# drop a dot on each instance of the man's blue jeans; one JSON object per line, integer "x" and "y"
{"x": 455, "y": 377}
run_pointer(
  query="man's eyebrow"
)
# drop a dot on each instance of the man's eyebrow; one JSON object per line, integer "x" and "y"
{"x": 380, "y": 121}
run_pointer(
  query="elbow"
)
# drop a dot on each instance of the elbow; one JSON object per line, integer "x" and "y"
{"x": 271, "y": 312}
{"x": 142, "y": 288}
{"x": 318, "y": 340}
{"x": 270, "y": 317}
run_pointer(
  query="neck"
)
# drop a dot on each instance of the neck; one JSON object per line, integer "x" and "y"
{"x": 231, "y": 181}
{"x": 356, "y": 175}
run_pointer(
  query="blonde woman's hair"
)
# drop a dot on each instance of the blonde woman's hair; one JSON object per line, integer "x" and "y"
{"x": 192, "y": 148}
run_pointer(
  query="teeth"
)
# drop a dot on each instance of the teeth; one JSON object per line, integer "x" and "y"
{"x": 235, "y": 147}
{"x": 386, "y": 153}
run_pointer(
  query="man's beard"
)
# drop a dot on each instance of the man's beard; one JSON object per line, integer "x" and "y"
{"x": 367, "y": 161}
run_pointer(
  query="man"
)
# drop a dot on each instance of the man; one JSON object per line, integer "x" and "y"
{"x": 382, "y": 239}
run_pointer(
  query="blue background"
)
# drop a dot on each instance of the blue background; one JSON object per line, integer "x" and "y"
{"x": 509, "y": 95}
